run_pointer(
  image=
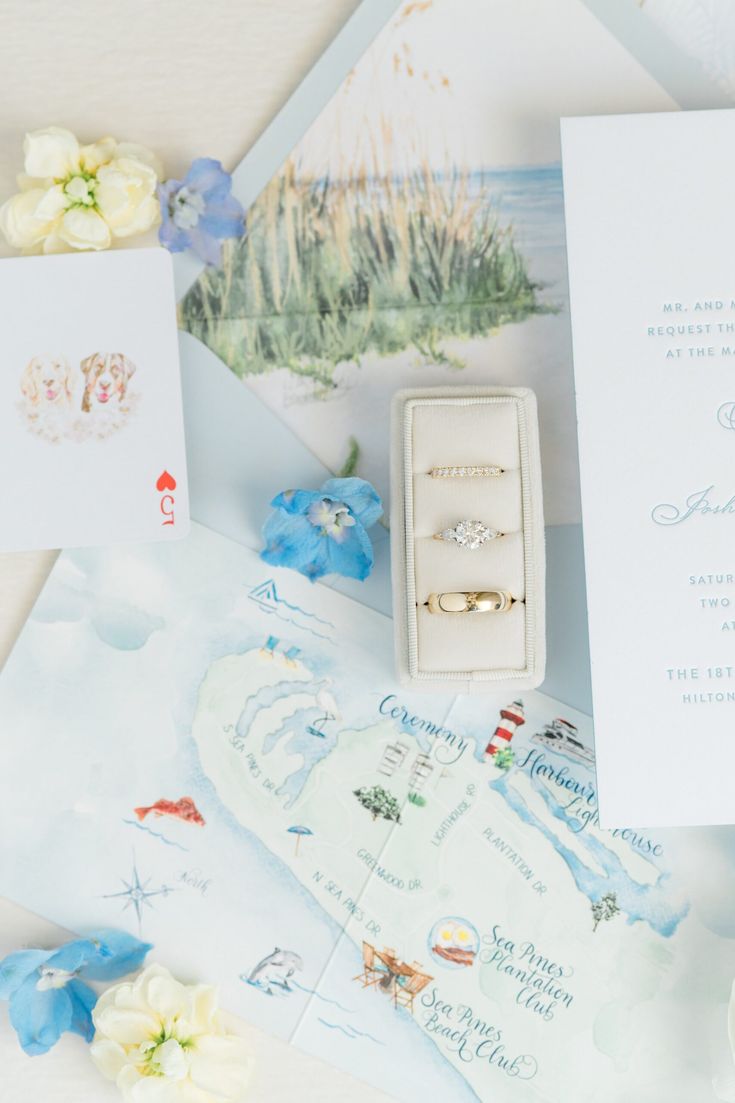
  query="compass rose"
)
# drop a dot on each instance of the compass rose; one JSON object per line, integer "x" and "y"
{"x": 137, "y": 894}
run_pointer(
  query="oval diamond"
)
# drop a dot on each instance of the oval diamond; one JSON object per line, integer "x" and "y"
{"x": 470, "y": 534}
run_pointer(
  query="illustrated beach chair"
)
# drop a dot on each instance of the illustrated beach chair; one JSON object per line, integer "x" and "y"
{"x": 405, "y": 993}
{"x": 370, "y": 973}
{"x": 386, "y": 967}
{"x": 269, "y": 646}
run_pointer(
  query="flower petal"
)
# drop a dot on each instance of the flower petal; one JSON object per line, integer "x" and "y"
{"x": 115, "y": 954}
{"x": 204, "y": 999}
{"x": 206, "y": 175}
{"x": 39, "y": 1017}
{"x": 111, "y": 194}
{"x": 126, "y": 1026}
{"x": 54, "y": 202}
{"x": 167, "y": 997}
{"x": 361, "y": 497}
{"x": 72, "y": 955}
{"x": 147, "y": 1089}
{"x": 143, "y": 154}
{"x": 126, "y": 196}
{"x": 143, "y": 217}
{"x": 171, "y": 236}
{"x": 98, "y": 153}
{"x": 351, "y": 555}
{"x": 109, "y": 1057}
{"x": 225, "y": 218}
{"x": 127, "y": 171}
{"x": 292, "y": 541}
{"x": 159, "y": 1089}
{"x": 83, "y": 1000}
{"x": 296, "y": 501}
{"x": 206, "y": 247}
{"x": 15, "y": 968}
{"x": 222, "y": 1066}
{"x": 170, "y": 1060}
{"x": 52, "y": 151}
{"x": 54, "y": 244}
{"x": 83, "y": 228}
{"x": 28, "y": 183}
{"x": 20, "y": 222}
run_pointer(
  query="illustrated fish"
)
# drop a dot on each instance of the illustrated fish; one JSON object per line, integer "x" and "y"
{"x": 183, "y": 809}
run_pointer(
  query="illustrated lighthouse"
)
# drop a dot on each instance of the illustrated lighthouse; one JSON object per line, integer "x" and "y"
{"x": 511, "y": 719}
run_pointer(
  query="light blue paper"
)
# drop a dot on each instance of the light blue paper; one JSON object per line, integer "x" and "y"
{"x": 209, "y": 795}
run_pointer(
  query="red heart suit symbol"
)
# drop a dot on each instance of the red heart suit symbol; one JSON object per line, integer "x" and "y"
{"x": 166, "y": 482}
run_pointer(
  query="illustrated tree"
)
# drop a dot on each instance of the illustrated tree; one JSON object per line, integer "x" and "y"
{"x": 605, "y": 908}
{"x": 504, "y": 758}
{"x": 379, "y": 803}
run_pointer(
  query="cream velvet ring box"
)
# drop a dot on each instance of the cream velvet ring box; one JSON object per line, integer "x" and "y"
{"x": 468, "y": 599}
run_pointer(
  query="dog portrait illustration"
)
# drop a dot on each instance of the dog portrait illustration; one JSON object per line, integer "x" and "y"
{"x": 51, "y": 404}
{"x": 107, "y": 375}
{"x": 47, "y": 389}
{"x": 107, "y": 397}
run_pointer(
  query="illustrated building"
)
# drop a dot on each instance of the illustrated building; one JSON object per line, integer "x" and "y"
{"x": 511, "y": 718}
{"x": 393, "y": 758}
{"x": 421, "y": 768}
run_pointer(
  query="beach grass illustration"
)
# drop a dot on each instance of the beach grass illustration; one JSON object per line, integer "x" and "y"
{"x": 413, "y": 238}
{"x": 333, "y": 269}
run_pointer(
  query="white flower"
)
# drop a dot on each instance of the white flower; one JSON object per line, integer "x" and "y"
{"x": 164, "y": 1042}
{"x": 80, "y": 197}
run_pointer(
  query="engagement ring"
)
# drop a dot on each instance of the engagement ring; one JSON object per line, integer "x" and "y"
{"x": 473, "y": 601}
{"x": 468, "y": 534}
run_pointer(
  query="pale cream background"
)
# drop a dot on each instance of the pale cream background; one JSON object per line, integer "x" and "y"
{"x": 188, "y": 78}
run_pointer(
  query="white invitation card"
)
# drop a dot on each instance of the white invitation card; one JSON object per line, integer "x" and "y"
{"x": 650, "y": 232}
{"x": 91, "y": 423}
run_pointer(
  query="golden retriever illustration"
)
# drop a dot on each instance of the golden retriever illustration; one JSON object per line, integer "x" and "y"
{"x": 46, "y": 382}
{"x": 47, "y": 387}
{"x": 107, "y": 375}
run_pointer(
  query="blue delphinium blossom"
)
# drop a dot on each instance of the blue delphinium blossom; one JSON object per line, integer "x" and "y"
{"x": 46, "y": 994}
{"x": 199, "y": 211}
{"x": 320, "y": 532}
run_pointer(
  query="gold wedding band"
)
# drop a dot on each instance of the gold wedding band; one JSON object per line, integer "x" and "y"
{"x": 471, "y": 601}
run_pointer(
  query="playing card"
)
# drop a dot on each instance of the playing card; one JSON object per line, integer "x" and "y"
{"x": 91, "y": 426}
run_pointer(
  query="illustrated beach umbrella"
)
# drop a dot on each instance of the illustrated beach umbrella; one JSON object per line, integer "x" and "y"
{"x": 298, "y": 832}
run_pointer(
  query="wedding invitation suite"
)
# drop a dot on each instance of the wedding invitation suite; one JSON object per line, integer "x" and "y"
{"x": 91, "y": 424}
{"x": 650, "y": 233}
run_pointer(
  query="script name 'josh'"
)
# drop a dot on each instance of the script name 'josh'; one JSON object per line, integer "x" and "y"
{"x": 455, "y": 744}
{"x": 667, "y": 513}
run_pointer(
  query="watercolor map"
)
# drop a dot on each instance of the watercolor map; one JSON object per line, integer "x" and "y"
{"x": 414, "y": 888}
